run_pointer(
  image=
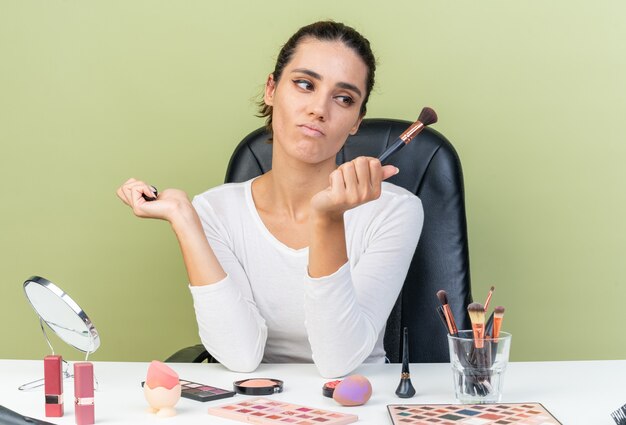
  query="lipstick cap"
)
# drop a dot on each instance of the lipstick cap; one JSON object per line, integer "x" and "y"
{"x": 53, "y": 385}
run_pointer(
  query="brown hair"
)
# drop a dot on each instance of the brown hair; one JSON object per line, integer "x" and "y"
{"x": 324, "y": 31}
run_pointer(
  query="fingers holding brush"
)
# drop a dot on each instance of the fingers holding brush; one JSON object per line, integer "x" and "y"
{"x": 132, "y": 191}
{"x": 155, "y": 194}
{"x": 352, "y": 184}
{"x": 146, "y": 202}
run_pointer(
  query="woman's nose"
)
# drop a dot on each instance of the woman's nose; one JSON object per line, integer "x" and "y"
{"x": 319, "y": 106}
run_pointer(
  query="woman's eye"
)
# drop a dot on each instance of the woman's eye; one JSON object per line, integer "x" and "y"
{"x": 346, "y": 100}
{"x": 303, "y": 84}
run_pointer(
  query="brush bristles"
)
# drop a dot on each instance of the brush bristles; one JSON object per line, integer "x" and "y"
{"x": 477, "y": 313}
{"x": 619, "y": 416}
{"x": 428, "y": 116}
{"x": 499, "y": 312}
{"x": 443, "y": 297}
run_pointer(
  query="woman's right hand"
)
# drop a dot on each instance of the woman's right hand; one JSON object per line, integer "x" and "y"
{"x": 166, "y": 206}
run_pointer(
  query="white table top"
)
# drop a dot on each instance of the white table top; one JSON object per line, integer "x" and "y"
{"x": 574, "y": 392}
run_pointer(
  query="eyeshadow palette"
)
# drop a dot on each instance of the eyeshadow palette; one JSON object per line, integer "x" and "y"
{"x": 267, "y": 411}
{"x": 201, "y": 392}
{"x": 471, "y": 414}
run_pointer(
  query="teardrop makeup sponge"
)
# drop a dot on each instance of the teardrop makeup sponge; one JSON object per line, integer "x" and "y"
{"x": 162, "y": 389}
{"x": 353, "y": 391}
{"x": 161, "y": 375}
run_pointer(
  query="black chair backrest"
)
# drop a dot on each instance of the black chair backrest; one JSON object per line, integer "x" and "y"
{"x": 430, "y": 168}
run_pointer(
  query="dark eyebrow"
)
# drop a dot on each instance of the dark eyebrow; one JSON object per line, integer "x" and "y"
{"x": 317, "y": 76}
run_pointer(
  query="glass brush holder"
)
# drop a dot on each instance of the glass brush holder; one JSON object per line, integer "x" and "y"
{"x": 478, "y": 366}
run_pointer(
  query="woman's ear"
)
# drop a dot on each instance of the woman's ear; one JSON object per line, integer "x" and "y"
{"x": 270, "y": 87}
{"x": 354, "y": 129}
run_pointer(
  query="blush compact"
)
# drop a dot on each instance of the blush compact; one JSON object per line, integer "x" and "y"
{"x": 258, "y": 386}
{"x": 329, "y": 388}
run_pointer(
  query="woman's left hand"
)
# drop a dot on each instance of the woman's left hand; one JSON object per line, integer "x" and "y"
{"x": 352, "y": 184}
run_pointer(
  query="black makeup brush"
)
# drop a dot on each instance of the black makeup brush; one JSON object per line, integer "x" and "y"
{"x": 489, "y": 325}
{"x": 155, "y": 192}
{"x": 427, "y": 117}
{"x": 619, "y": 416}
{"x": 405, "y": 387}
{"x": 9, "y": 417}
{"x": 443, "y": 299}
{"x": 442, "y": 316}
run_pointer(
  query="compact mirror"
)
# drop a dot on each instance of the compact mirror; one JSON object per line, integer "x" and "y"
{"x": 61, "y": 314}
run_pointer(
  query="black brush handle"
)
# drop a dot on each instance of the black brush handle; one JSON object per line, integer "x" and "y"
{"x": 442, "y": 316}
{"x": 395, "y": 147}
{"x": 154, "y": 191}
{"x": 9, "y": 417}
{"x": 489, "y": 326}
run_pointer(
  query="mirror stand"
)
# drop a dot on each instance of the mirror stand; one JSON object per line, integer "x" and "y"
{"x": 66, "y": 367}
{"x": 65, "y": 318}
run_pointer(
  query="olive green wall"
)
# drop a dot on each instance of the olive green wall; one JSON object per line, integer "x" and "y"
{"x": 531, "y": 93}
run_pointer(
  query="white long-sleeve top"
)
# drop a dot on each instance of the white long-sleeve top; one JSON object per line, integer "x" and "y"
{"x": 269, "y": 309}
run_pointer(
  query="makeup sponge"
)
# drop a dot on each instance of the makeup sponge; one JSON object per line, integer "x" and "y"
{"x": 161, "y": 375}
{"x": 353, "y": 391}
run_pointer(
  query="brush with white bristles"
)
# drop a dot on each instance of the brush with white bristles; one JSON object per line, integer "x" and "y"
{"x": 477, "y": 317}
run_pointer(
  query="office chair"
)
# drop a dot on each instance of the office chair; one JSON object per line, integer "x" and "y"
{"x": 430, "y": 168}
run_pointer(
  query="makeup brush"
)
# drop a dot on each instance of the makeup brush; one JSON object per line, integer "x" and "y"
{"x": 155, "y": 193}
{"x": 477, "y": 317}
{"x": 405, "y": 387}
{"x": 443, "y": 299}
{"x": 489, "y": 326}
{"x": 498, "y": 314}
{"x": 619, "y": 416}
{"x": 442, "y": 316}
{"x": 427, "y": 117}
{"x": 489, "y": 297}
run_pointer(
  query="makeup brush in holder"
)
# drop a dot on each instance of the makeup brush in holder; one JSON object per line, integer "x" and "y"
{"x": 480, "y": 358}
{"x": 405, "y": 387}
{"x": 447, "y": 312}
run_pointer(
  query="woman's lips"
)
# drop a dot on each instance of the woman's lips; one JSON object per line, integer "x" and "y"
{"x": 311, "y": 130}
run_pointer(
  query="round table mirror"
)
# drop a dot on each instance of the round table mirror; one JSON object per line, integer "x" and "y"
{"x": 59, "y": 311}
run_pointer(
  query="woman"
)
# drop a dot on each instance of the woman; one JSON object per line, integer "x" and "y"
{"x": 305, "y": 262}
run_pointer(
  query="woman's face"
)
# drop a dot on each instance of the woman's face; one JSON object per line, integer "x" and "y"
{"x": 316, "y": 103}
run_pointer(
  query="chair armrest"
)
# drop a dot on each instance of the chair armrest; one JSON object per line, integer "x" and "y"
{"x": 193, "y": 354}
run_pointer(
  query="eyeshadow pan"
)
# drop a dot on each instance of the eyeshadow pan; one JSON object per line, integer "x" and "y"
{"x": 451, "y": 417}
